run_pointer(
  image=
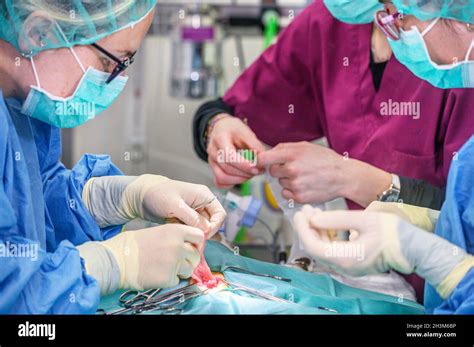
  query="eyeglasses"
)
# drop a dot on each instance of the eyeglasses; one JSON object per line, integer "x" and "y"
{"x": 122, "y": 64}
{"x": 386, "y": 22}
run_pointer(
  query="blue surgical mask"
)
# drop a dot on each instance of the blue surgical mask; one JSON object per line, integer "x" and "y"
{"x": 353, "y": 11}
{"x": 411, "y": 51}
{"x": 91, "y": 97}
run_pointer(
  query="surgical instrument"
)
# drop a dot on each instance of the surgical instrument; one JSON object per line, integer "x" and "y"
{"x": 254, "y": 292}
{"x": 239, "y": 269}
{"x": 134, "y": 297}
{"x": 327, "y": 309}
{"x": 135, "y": 302}
{"x": 170, "y": 304}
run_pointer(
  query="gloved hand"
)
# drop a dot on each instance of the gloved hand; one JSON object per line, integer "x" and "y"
{"x": 115, "y": 200}
{"x": 422, "y": 217}
{"x": 144, "y": 259}
{"x": 380, "y": 242}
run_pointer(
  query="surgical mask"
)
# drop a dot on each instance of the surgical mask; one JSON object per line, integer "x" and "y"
{"x": 354, "y": 11}
{"x": 91, "y": 97}
{"x": 411, "y": 51}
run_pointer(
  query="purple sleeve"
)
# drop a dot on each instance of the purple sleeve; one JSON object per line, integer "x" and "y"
{"x": 276, "y": 92}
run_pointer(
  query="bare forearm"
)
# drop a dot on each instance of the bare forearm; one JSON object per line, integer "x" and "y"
{"x": 364, "y": 182}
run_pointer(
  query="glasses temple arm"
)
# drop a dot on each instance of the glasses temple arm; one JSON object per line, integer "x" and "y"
{"x": 111, "y": 56}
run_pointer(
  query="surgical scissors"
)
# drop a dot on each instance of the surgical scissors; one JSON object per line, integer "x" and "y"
{"x": 170, "y": 303}
{"x": 134, "y": 297}
{"x": 135, "y": 302}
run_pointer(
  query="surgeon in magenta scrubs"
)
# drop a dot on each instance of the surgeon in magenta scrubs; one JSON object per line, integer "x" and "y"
{"x": 391, "y": 135}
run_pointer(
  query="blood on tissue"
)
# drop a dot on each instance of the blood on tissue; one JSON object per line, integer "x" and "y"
{"x": 203, "y": 275}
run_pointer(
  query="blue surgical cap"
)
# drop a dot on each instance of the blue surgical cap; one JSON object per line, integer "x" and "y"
{"x": 461, "y": 10}
{"x": 32, "y": 26}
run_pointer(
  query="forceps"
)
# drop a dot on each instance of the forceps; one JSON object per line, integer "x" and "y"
{"x": 134, "y": 297}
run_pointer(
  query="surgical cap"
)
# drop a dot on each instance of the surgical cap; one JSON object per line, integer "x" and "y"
{"x": 66, "y": 23}
{"x": 461, "y": 10}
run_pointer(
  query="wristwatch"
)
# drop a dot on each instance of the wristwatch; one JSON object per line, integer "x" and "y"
{"x": 393, "y": 192}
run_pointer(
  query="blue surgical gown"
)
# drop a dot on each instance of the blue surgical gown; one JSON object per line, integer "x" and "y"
{"x": 41, "y": 208}
{"x": 456, "y": 224}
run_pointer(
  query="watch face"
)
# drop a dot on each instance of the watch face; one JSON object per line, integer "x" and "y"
{"x": 390, "y": 196}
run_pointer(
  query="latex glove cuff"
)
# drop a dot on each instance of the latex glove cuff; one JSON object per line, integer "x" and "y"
{"x": 447, "y": 286}
{"x": 100, "y": 263}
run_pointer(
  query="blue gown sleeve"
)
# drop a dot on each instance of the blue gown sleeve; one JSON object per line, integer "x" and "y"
{"x": 35, "y": 281}
{"x": 66, "y": 213}
{"x": 45, "y": 283}
{"x": 461, "y": 300}
{"x": 38, "y": 273}
{"x": 456, "y": 223}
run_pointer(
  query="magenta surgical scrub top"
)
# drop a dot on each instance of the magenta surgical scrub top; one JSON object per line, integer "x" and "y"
{"x": 316, "y": 82}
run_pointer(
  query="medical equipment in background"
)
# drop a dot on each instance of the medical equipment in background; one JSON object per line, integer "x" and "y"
{"x": 241, "y": 211}
{"x": 270, "y": 23}
{"x": 196, "y": 49}
{"x": 199, "y": 29}
{"x": 135, "y": 128}
{"x": 288, "y": 207}
{"x": 243, "y": 214}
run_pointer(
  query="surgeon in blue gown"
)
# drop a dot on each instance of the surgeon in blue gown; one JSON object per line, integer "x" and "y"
{"x": 427, "y": 37}
{"x": 60, "y": 240}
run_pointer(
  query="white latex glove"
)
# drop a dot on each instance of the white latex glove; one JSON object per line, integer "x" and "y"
{"x": 381, "y": 242}
{"x": 144, "y": 259}
{"x": 115, "y": 200}
{"x": 373, "y": 251}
